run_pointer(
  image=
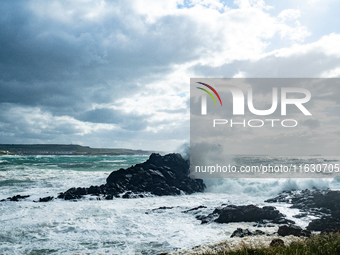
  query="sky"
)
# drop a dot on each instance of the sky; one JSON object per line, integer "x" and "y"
{"x": 116, "y": 74}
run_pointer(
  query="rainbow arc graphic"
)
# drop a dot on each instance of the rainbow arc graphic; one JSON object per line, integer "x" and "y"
{"x": 209, "y": 93}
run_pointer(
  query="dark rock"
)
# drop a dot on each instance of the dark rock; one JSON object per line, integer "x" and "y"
{"x": 159, "y": 175}
{"x": 15, "y": 198}
{"x": 300, "y": 215}
{"x": 315, "y": 202}
{"x": 321, "y": 203}
{"x": 330, "y": 231}
{"x": 239, "y": 232}
{"x": 194, "y": 209}
{"x": 207, "y": 218}
{"x": 44, "y": 199}
{"x": 245, "y": 213}
{"x": 277, "y": 242}
{"x": 159, "y": 209}
{"x": 261, "y": 224}
{"x": 293, "y": 230}
{"x": 325, "y": 223}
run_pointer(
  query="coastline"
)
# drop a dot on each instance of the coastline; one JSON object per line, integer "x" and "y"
{"x": 151, "y": 225}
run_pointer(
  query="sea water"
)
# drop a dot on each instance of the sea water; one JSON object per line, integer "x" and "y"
{"x": 121, "y": 226}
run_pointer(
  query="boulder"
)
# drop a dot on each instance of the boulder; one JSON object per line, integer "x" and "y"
{"x": 293, "y": 230}
{"x": 326, "y": 223}
{"x": 245, "y": 213}
{"x": 239, "y": 232}
{"x": 45, "y": 199}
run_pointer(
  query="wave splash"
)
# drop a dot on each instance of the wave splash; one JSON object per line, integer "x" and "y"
{"x": 267, "y": 187}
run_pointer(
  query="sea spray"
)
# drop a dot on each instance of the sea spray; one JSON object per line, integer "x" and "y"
{"x": 266, "y": 187}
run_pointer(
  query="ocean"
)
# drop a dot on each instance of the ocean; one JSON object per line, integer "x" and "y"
{"x": 121, "y": 226}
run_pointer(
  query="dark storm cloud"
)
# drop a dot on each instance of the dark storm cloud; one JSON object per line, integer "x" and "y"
{"x": 128, "y": 121}
{"x": 64, "y": 67}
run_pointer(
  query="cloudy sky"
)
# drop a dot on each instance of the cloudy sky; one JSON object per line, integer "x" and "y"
{"x": 117, "y": 73}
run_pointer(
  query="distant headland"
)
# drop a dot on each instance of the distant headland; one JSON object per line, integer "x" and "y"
{"x": 64, "y": 149}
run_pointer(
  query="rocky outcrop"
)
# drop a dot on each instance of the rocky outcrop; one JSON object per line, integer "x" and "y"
{"x": 321, "y": 203}
{"x": 159, "y": 175}
{"x": 326, "y": 224}
{"x": 195, "y": 209}
{"x": 15, "y": 198}
{"x": 293, "y": 230}
{"x": 315, "y": 202}
{"x": 239, "y": 232}
{"x": 245, "y": 213}
{"x": 45, "y": 199}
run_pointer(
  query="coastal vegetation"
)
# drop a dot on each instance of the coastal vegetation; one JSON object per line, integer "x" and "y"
{"x": 323, "y": 244}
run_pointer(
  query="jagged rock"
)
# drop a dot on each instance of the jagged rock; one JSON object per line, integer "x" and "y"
{"x": 300, "y": 215}
{"x": 159, "y": 175}
{"x": 277, "y": 242}
{"x": 321, "y": 203}
{"x": 45, "y": 199}
{"x": 239, "y": 232}
{"x": 15, "y": 198}
{"x": 194, "y": 209}
{"x": 245, "y": 213}
{"x": 293, "y": 230}
{"x": 159, "y": 209}
{"x": 315, "y": 202}
{"x": 325, "y": 223}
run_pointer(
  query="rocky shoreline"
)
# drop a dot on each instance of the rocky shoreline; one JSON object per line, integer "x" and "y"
{"x": 159, "y": 175}
{"x": 169, "y": 175}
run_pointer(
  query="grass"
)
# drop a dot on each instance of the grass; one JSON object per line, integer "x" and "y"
{"x": 317, "y": 244}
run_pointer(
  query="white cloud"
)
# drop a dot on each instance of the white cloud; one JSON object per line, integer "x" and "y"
{"x": 331, "y": 73}
{"x": 289, "y": 14}
{"x": 326, "y": 45}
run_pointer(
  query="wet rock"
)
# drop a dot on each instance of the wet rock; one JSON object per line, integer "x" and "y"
{"x": 245, "y": 213}
{"x": 45, "y": 199}
{"x": 159, "y": 209}
{"x": 321, "y": 203}
{"x": 159, "y": 175}
{"x": 300, "y": 215}
{"x": 315, "y": 202}
{"x": 15, "y": 198}
{"x": 326, "y": 223}
{"x": 239, "y": 232}
{"x": 293, "y": 230}
{"x": 194, "y": 209}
